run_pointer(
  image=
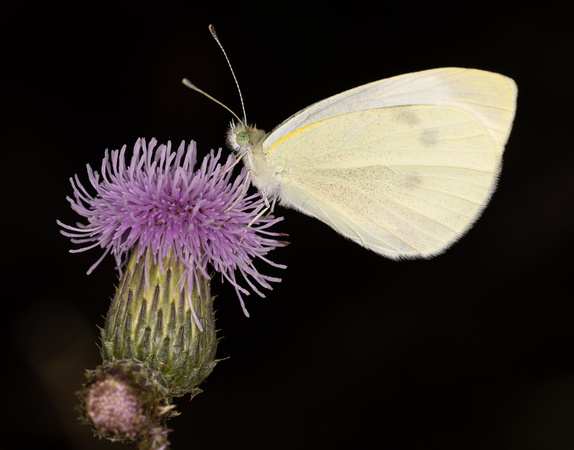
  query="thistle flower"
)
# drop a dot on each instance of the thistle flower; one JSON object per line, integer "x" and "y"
{"x": 157, "y": 204}
{"x": 165, "y": 222}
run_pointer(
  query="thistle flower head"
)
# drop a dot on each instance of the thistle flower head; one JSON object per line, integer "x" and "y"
{"x": 158, "y": 203}
{"x": 113, "y": 406}
{"x": 126, "y": 401}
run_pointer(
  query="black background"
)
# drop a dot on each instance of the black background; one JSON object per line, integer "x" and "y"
{"x": 470, "y": 350}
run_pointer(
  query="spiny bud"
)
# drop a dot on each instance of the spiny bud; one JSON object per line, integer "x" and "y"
{"x": 155, "y": 320}
{"x": 126, "y": 401}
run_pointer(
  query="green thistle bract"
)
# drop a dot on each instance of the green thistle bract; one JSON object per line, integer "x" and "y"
{"x": 150, "y": 319}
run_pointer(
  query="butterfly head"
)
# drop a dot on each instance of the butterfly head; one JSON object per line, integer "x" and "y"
{"x": 243, "y": 138}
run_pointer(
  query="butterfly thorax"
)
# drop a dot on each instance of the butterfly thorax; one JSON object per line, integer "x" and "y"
{"x": 247, "y": 142}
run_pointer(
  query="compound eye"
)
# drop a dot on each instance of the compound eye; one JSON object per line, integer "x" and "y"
{"x": 242, "y": 138}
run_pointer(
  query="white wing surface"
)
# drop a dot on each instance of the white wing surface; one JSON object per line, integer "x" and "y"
{"x": 402, "y": 166}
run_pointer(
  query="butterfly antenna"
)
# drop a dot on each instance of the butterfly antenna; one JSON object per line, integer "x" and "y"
{"x": 214, "y": 34}
{"x": 190, "y": 85}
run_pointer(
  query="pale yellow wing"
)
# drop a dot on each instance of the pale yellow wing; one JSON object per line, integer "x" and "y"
{"x": 489, "y": 98}
{"x": 403, "y": 181}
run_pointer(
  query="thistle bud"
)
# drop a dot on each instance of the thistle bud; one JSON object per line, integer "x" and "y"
{"x": 153, "y": 320}
{"x": 126, "y": 401}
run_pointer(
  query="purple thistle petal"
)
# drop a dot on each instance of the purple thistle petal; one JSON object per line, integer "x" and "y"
{"x": 159, "y": 204}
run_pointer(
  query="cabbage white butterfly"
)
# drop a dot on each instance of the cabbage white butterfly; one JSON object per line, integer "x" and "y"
{"x": 402, "y": 166}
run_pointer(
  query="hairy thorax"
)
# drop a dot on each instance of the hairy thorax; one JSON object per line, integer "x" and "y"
{"x": 248, "y": 143}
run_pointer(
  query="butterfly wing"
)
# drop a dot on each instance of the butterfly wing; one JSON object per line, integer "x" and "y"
{"x": 402, "y": 166}
{"x": 489, "y": 98}
{"x": 404, "y": 181}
